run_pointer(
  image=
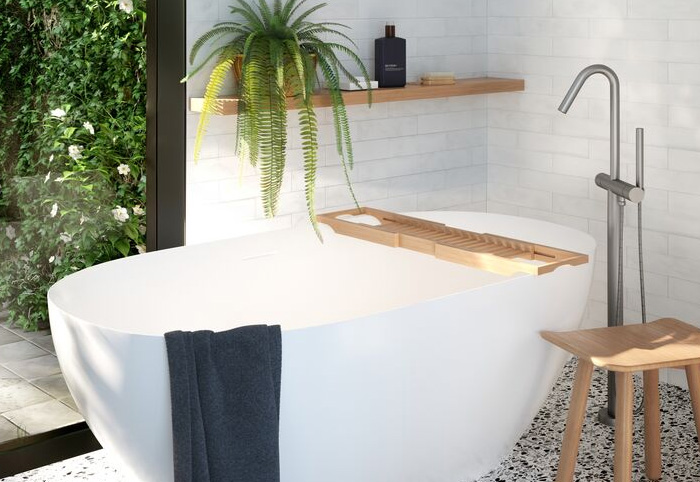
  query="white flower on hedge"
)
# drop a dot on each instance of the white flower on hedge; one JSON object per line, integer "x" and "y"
{"x": 47, "y": 178}
{"x": 141, "y": 248}
{"x": 82, "y": 219}
{"x": 120, "y": 214}
{"x": 88, "y": 127}
{"x": 126, "y": 5}
{"x": 76, "y": 152}
{"x": 54, "y": 210}
{"x": 10, "y": 232}
{"x": 52, "y": 259}
{"x": 66, "y": 238}
{"x": 58, "y": 113}
{"x": 124, "y": 169}
{"x": 142, "y": 229}
{"x": 59, "y": 180}
{"x": 51, "y": 158}
{"x": 138, "y": 211}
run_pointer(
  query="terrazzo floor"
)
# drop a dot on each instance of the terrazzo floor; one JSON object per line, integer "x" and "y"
{"x": 535, "y": 456}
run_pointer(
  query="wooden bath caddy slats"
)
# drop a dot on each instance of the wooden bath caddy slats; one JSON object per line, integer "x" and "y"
{"x": 485, "y": 251}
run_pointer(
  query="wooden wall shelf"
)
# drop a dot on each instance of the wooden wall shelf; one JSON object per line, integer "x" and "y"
{"x": 474, "y": 86}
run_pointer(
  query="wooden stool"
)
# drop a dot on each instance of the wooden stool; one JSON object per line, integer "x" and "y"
{"x": 665, "y": 343}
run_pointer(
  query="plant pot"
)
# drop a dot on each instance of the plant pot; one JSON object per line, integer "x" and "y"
{"x": 238, "y": 72}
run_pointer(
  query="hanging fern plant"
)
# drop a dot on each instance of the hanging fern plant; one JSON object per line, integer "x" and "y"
{"x": 278, "y": 51}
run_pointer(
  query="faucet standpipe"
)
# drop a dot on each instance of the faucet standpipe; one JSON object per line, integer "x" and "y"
{"x": 618, "y": 193}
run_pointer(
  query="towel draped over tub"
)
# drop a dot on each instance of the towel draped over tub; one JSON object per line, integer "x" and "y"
{"x": 225, "y": 393}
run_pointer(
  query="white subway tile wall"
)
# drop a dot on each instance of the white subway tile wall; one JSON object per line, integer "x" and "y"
{"x": 541, "y": 163}
{"x": 409, "y": 155}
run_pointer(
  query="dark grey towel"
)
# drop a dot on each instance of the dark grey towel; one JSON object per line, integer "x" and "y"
{"x": 225, "y": 392}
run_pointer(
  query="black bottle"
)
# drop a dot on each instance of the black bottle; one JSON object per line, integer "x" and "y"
{"x": 390, "y": 59}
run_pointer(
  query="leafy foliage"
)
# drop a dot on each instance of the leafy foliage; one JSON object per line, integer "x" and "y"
{"x": 279, "y": 50}
{"x": 72, "y": 143}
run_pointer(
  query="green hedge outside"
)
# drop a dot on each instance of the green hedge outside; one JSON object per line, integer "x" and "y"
{"x": 72, "y": 143}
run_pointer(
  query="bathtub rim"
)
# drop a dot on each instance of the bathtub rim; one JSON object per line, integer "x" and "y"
{"x": 584, "y": 238}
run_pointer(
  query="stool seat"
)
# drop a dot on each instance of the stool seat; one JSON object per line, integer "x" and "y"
{"x": 665, "y": 343}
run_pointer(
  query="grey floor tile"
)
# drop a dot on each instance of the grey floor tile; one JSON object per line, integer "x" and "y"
{"x": 21, "y": 350}
{"x": 70, "y": 403}
{"x": 45, "y": 342}
{"x": 7, "y": 374}
{"x": 19, "y": 393}
{"x": 43, "y": 417}
{"x": 38, "y": 367}
{"x": 54, "y": 385}
{"x": 9, "y": 431}
{"x": 6, "y": 336}
{"x": 30, "y": 335}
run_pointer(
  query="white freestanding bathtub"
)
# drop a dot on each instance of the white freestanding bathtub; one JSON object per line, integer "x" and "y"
{"x": 397, "y": 367}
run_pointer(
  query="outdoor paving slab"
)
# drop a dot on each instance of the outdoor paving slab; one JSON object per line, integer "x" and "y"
{"x": 6, "y": 374}
{"x": 45, "y": 342}
{"x": 38, "y": 367}
{"x": 19, "y": 393}
{"x": 70, "y": 403}
{"x": 54, "y": 385}
{"x": 43, "y": 417}
{"x": 6, "y": 336}
{"x": 9, "y": 431}
{"x": 29, "y": 335}
{"x": 21, "y": 350}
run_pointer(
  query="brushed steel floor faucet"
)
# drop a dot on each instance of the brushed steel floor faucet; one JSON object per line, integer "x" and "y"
{"x": 618, "y": 193}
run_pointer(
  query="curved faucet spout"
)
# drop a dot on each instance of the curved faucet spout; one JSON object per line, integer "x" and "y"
{"x": 581, "y": 79}
{"x": 575, "y": 88}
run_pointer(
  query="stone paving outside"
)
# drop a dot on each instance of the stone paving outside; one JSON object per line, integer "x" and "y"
{"x": 33, "y": 395}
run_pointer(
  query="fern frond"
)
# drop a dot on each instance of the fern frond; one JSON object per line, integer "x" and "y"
{"x": 211, "y": 103}
{"x": 250, "y": 15}
{"x": 212, "y": 34}
{"x": 309, "y": 135}
{"x": 273, "y": 133}
{"x": 323, "y": 24}
{"x": 297, "y": 60}
{"x": 303, "y": 16}
{"x": 265, "y": 12}
{"x": 340, "y": 122}
{"x": 254, "y": 75}
{"x": 310, "y": 34}
{"x": 290, "y": 9}
{"x": 230, "y": 51}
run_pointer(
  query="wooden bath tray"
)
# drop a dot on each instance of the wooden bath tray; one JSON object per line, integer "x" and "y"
{"x": 485, "y": 251}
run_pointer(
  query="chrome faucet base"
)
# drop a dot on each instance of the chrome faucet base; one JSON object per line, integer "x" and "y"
{"x": 605, "y": 418}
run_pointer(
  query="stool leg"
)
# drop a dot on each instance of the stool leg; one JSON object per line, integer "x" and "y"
{"x": 652, "y": 425}
{"x": 692, "y": 373}
{"x": 624, "y": 411}
{"x": 574, "y": 422}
